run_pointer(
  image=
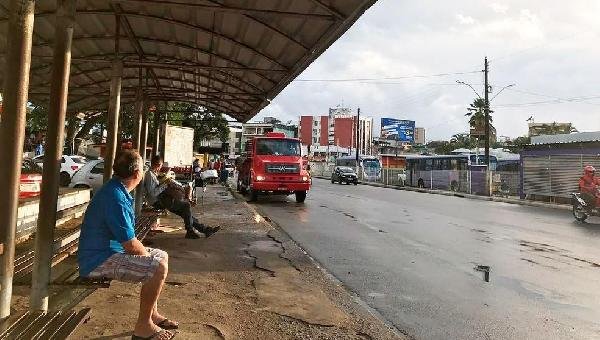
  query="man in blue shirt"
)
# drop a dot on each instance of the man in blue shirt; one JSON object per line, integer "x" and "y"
{"x": 109, "y": 249}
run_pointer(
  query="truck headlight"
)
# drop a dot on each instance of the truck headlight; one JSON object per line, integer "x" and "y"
{"x": 260, "y": 178}
{"x": 305, "y": 178}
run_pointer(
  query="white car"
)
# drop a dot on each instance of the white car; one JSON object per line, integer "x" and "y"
{"x": 69, "y": 165}
{"x": 91, "y": 176}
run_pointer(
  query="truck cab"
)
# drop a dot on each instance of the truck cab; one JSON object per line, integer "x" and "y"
{"x": 273, "y": 164}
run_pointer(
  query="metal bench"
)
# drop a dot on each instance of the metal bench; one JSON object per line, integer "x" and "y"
{"x": 66, "y": 246}
{"x": 57, "y": 325}
{"x": 71, "y": 278}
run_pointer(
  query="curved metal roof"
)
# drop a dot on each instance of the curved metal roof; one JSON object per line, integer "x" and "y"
{"x": 229, "y": 56}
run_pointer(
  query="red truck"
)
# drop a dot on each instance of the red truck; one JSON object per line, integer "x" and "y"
{"x": 273, "y": 164}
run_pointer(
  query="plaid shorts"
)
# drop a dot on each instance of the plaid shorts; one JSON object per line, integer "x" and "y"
{"x": 130, "y": 268}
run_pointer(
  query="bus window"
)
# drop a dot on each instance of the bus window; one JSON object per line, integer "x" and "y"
{"x": 428, "y": 164}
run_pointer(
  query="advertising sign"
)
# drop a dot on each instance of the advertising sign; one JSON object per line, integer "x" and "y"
{"x": 396, "y": 129}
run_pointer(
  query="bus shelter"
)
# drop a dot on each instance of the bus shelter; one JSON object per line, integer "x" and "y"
{"x": 92, "y": 56}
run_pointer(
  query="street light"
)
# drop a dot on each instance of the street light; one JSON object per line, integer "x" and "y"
{"x": 502, "y": 89}
{"x": 469, "y": 85}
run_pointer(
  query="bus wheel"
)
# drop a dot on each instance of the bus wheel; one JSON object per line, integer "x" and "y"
{"x": 300, "y": 196}
{"x": 421, "y": 183}
{"x": 454, "y": 186}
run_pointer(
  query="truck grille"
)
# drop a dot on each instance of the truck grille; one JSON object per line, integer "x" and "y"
{"x": 281, "y": 168}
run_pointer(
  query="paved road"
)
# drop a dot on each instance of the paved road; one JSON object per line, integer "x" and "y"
{"x": 411, "y": 256}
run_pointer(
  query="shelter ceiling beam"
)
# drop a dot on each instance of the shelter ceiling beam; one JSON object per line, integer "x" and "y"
{"x": 233, "y": 9}
{"x": 268, "y": 26}
{"x": 124, "y": 22}
{"x": 171, "y": 79}
{"x": 171, "y": 20}
{"x": 329, "y": 9}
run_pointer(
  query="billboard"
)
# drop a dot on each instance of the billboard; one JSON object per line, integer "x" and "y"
{"x": 396, "y": 129}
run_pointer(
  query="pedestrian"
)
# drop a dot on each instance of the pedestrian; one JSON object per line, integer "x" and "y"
{"x": 109, "y": 249}
{"x": 160, "y": 197}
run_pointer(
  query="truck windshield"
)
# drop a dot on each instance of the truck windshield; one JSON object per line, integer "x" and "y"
{"x": 278, "y": 147}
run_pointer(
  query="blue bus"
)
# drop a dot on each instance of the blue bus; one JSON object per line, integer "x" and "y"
{"x": 466, "y": 173}
{"x": 369, "y": 166}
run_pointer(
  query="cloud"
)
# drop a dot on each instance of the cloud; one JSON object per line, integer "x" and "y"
{"x": 499, "y": 8}
{"x": 549, "y": 50}
{"x": 465, "y": 20}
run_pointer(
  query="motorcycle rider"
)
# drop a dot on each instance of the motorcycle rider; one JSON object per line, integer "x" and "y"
{"x": 589, "y": 186}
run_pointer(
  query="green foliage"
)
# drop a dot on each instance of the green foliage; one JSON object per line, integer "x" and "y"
{"x": 37, "y": 118}
{"x": 517, "y": 145}
{"x": 208, "y": 125}
{"x": 476, "y": 113}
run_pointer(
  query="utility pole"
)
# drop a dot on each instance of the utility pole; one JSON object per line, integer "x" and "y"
{"x": 487, "y": 115}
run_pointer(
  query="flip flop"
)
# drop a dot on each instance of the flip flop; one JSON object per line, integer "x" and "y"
{"x": 163, "y": 324}
{"x": 155, "y": 336}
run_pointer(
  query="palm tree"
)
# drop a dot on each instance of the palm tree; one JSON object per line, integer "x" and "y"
{"x": 476, "y": 114}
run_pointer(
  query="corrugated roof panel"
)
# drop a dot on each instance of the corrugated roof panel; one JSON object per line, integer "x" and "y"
{"x": 250, "y": 48}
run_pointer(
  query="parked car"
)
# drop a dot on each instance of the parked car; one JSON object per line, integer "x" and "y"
{"x": 89, "y": 176}
{"x": 344, "y": 174}
{"x": 30, "y": 182}
{"x": 69, "y": 165}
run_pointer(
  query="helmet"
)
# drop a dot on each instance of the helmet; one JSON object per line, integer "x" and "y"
{"x": 589, "y": 169}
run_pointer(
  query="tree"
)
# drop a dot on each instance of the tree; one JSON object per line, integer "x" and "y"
{"x": 462, "y": 140}
{"x": 207, "y": 124}
{"x": 476, "y": 114}
{"x": 518, "y": 144}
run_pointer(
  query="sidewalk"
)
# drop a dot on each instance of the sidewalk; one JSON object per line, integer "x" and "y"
{"x": 509, "y": 200}
{"x": 248, "y": 281}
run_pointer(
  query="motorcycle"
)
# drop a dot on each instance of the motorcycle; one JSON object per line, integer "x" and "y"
{"x": 583, "y": 209}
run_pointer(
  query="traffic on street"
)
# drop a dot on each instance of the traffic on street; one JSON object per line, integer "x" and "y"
{"x": 420, "y": 260}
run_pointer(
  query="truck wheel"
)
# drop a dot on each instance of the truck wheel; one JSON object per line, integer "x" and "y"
{"x": 300, "y": 196}
{"x": 253, "y": 195}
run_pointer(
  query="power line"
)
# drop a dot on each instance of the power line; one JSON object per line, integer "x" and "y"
{"x": 386, "y": 78}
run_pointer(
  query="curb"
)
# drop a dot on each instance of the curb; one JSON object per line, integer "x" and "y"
{"x": 468, "y": 196}
{"x": 353, "y": 295}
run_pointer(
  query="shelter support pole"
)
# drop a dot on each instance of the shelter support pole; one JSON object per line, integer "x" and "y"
{"x": 113, "y": 118}
{"x": 59, "y": 88}
{"x": 139, "y": 191}
{"x": 12, "y": 133}
{"x": 139, "y": 108}
{"x": 156, "y": 140}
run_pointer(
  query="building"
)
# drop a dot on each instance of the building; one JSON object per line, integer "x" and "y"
{"x": 478, "y": 132}
{"x": 269, "y": 124}
{"x": 234, "y": 142}
{"x": 420, "y": 136}
{"x": 536, "y": 129}
{"x": 337, "y": 129}
{"x": 552, "y": 164}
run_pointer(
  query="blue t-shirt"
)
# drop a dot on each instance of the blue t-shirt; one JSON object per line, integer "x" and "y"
{"x": 109, "y": 221}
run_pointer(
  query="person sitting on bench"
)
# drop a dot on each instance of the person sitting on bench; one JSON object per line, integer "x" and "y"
{"x": 109, "y": 249}
{"x": 168, "y": 196}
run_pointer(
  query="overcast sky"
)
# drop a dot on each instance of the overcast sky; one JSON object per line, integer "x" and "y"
{"x": 549, "y": 48}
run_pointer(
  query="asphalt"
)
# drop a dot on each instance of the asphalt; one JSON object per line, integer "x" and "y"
{"x": 413, "y": 257}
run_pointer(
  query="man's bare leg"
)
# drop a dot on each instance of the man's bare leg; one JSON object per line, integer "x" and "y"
{"x": 149, "y": 295}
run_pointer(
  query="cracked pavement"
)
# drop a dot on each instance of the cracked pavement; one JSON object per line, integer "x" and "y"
{"x": 248, "y": 281}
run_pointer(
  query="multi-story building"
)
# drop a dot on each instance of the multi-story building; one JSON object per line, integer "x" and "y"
{"x": 537, "y": 129}
{"x": 337, "y": 129}
{"x": 255, "y": 129}
{"x": 420, "y": 136}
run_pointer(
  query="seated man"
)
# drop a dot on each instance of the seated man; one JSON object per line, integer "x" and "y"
{"x": 158, "y": 196}
{"x": 109, "y": 249}
{"x": 589, "y": 186}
